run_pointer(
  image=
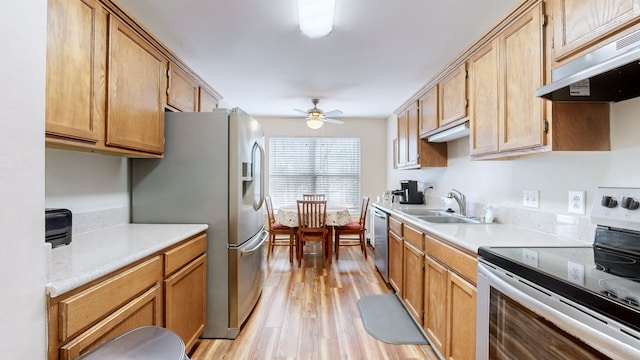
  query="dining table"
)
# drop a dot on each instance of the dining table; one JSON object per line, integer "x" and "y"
{"x": 337, "y": 215}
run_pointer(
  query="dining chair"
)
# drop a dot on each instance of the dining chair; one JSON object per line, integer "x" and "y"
{"x": 312, "y": 226}
{"x": 313, "y": 197}
{"x": 354, "y": 228}
{"x": 276, "y": 229}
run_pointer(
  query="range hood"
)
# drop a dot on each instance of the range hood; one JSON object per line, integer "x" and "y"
{"x": 453, "y": 133}
{"x": 610, "y": 73}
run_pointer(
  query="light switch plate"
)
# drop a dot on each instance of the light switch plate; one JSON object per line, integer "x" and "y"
{"x": 577, "y": 202}
{"x": 531, "y": 198}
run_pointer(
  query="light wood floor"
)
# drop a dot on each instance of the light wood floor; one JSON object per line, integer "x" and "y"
{"x": 309, "y": 312}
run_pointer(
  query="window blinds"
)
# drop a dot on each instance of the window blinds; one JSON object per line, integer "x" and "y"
{"x": 317, "y": 165}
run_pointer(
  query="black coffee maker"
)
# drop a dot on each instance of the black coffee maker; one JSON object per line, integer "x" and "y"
{"x": 409, "y": 193}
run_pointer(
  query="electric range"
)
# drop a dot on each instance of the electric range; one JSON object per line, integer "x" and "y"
{"x": 604, "y": 277}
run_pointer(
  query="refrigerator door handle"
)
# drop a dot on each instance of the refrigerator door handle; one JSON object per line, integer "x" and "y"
{"x": 264, "y": 237}
{"x": 257, "y": 149}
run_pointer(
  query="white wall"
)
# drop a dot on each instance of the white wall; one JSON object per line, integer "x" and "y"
{"x": 554, "y": 174}
{"x": 84, "y": 182}
{"x": 372, "y": 134}
{"x": 22, "y": 266}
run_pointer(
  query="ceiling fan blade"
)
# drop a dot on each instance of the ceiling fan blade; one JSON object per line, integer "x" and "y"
{"x": 334, "y": 121}
{"x": 301, "y": 112}
{"x": 333, "y": 113}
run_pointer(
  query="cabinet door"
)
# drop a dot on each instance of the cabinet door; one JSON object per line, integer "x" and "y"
{"x": 414, "y": 281}
{"x": 452, "y": 94}
{"x": 579, "y": 24}
{"x": 483, "y": 94}
{"x": 461, "y": 315}
{"x": 402, "y": 139}
{"x": 521, "y": 73}
{"x": 144, "y": 310}
{"x": 185, "y": 301}
{"x": 76, "y": 62}
{"x": 137, "y": 78}
{"x": 396, "y": 247}
{"x": 428, "y": 110}
{"x": 207, "y": 101}
{"x": 413, "y": 136}
{"x": 435, "y": 304}
{"x": 182, "y": 90}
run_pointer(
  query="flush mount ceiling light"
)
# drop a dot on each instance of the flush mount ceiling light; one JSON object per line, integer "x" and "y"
{"x": 316, "y": 17}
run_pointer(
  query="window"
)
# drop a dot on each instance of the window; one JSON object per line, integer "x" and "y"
{"x": 318, "y": 165}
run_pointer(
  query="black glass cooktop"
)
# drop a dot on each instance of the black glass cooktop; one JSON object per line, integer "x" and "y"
{"x": 602, "y": 279}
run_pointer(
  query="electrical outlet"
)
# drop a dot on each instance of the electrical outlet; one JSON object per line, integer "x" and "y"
{"x": 575, "y": 273}
{"x": 530, "y": 257}
{"x": 577, "y": 202}
{"x": 531, "y": 198}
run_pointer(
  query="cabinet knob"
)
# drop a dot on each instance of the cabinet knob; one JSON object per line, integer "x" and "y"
{"x": 630, "y": 203}
{"x": 609, "y": 202}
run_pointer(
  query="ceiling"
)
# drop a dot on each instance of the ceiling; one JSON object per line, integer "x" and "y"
{"x": 378, "y": 55}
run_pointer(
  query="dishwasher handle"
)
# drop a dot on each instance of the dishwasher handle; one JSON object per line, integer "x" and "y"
{"x": 379, "y": 214}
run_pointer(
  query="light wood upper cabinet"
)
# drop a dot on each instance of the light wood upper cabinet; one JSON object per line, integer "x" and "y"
{"x": 428, "y": 108}
{"x": 506, "y": 118}
{"x": 452, "y": 96}
{"x": 207, "y": 102}
{"x": 76, "y": 63}
{"x": 483, "y": 94}
{"x": 521, "y": 72}
{"x": 579, "y": 24}
{"x": 182, "y": 90}
{"x": 137, "y": 83}
{"x": 414, "y": 152}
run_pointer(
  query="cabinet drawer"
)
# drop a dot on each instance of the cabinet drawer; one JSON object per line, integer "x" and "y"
{"x": 395, "y": 225}
{"x": 413, "y": 236}
{"x": 459, "y": 262}
{"x": 85, "y": 308}
{"x": 144, "y": 310}
{"x": 181, "y": 255}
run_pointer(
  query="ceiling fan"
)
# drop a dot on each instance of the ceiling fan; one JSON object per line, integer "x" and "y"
{"x": 316, "y": 117}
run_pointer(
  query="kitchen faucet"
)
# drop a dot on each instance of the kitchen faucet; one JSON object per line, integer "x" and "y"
{"x": 460, "y": 199}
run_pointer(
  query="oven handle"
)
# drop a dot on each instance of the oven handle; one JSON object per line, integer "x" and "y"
{"x": 546, "y": 305}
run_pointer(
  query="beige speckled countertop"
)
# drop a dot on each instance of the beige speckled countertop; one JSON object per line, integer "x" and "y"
{"x": 94, "y": 254}
{"x": 469, "y": 237}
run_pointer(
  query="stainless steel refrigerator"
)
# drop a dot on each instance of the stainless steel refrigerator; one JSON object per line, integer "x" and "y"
{"x": 212, "y": 173}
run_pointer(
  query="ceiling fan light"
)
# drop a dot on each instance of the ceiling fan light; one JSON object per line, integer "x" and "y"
{"x": 316, "y": 17}
{"x": 314, "y": 124}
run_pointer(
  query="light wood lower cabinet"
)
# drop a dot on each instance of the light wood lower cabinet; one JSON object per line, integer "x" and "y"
{"x": 396, "y": 251}
{"x": 437, "y": 286}
{"x": 450, "y": 299}
{"x": 167, "y": 289}
{"x": 185, "y": 290}
{"x": 435, "y": 306}
{"x": 461, "y": 318}
{"x": 143, "y": 310}
{"x": 414, "y": 281}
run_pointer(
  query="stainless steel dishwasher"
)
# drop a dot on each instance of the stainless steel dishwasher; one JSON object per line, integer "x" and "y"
{"x": 381, "y": 242}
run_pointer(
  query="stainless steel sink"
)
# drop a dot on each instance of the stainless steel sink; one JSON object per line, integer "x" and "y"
{"x": 449, "y": 219}
{"x": 424, "y": 212}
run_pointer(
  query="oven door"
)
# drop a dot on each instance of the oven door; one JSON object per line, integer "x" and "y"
{"x": 517, "y": 319}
